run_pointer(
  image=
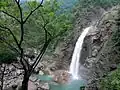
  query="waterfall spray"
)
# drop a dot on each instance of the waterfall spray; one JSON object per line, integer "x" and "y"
{"x": 74, "y": 66}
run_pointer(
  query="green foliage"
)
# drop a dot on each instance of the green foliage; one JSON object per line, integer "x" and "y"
{"x": 34, "y": 34}
{"x": 31, "y": 25}
{"x": 111, "y": 81}
{"x": 84, "y": 7}
{"x": 7, "y": 57}
{"x": 56, "y": 24}
{"x": 6, "y": 54}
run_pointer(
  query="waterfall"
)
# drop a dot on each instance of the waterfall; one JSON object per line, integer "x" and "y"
{"x": 74, "y": 66}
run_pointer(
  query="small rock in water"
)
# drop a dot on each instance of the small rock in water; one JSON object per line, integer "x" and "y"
{"x": 41, "y": 72}
{"x": 33, "y": 78}
{"x": 45, "y": 86}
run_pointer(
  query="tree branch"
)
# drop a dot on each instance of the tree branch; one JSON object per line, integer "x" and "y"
{"x": 40, "y": 5}
{"x": 42, "y": 51}
{"x": 11, "y": 46}
{"x": 45, "y": 33}
{"x": 21, "y": 60}
{"x": 15, "y": 49}
{"x": 22, "y": 35}
{"x": 40, "y": 55}
{"x": 11, "y": 16}
{"x": 45, "y": 24}
{"x": 14, "y": 37}
{"x": 44, "y": 27}
{"x": 21, "y": 23}
{"x": 18, "y": 1}
{"x": 25, "y": 66}
{"x": 2, "y": 77}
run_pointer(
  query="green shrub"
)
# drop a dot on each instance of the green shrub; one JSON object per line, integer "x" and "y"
{"x": 111, "y": 81}
{"x": 7, "y": 57}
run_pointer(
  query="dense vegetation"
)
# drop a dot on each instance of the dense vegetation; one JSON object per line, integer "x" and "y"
{"x": 84, "y": 7}
{"x": 111, "y": 81}
{"x": 34, "y": 25}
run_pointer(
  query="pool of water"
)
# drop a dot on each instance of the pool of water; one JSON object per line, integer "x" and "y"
{"x": 73, "y": 85}
{"x": 44, "y": 78}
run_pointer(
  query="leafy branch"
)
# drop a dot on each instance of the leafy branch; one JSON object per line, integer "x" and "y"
{"x": 10, "y": 16}
{"x": 14, "y": 37}
{"x": 40, "y": 5}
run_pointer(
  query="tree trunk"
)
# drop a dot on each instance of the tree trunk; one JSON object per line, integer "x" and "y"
{"x": 25, "y": 81}
{"x": 2, "y": 76}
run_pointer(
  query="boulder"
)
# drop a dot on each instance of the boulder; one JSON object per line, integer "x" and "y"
{"x": 61, "y": 76}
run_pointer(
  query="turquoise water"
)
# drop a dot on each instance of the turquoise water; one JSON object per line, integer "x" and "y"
{"x": 44, "y": 77}
{"x": 74, "y": 85}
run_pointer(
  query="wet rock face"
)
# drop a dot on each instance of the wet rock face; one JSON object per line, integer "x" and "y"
{"x": 86, "y": 50}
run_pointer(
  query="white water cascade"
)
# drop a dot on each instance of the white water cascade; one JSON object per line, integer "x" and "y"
{"x": 74, "y": 66}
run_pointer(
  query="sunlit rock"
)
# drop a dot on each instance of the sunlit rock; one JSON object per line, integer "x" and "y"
{"x": 61, "y": 76}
